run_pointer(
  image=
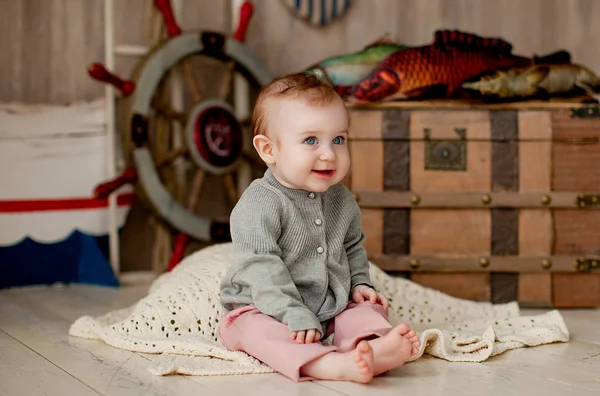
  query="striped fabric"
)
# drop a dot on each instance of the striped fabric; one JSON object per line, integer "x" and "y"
{"x": 318, "y": 12}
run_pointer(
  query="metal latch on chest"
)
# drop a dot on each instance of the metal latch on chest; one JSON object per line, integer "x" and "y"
{"x": 587, "y": 264}
{"x": 588, "y": 201}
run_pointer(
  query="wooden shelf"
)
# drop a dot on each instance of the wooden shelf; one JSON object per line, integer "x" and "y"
{"x": 458, "y": 104}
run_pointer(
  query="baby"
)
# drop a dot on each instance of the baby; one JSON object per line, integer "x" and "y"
{"x": 301, "y": 272}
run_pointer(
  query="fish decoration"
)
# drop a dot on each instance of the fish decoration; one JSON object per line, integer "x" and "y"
{"x": 345, "y": 71}
{"x": 537, "y": 81}
{"x": 438, "y": 70}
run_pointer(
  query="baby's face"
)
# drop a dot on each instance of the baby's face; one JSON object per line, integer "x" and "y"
{"x": 312, "y": 143}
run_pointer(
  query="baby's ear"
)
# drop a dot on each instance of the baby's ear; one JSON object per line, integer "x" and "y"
{"x": 266, "y": 148}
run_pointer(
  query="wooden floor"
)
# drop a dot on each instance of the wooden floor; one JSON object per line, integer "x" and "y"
{"x": 37, "y": 357}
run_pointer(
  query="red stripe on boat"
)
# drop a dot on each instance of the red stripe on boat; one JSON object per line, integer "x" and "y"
{"x": 55, "y": 204}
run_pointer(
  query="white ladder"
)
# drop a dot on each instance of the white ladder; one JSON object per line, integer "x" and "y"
{"x": 241, "y": 105}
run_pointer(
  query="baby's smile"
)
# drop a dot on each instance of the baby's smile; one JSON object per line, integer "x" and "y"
{"x": 326, "y": 173}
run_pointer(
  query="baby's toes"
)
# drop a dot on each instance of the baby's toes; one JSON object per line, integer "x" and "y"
{"x": 360, "y": 362}
{"x": 402, "y": 329}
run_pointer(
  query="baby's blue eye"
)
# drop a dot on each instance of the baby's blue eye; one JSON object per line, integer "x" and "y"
{"x": 338, "y": 140}
{"x": 310, "y": 140}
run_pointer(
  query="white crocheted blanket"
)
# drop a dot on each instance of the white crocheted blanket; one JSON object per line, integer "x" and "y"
{"x": 179, "y": 318}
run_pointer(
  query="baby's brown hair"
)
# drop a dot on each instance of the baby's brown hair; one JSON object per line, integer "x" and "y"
{"x": 303, "y": 85}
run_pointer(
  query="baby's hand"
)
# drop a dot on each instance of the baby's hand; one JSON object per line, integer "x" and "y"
{"x": 306, "y": 336}
{"x": 363, "y": 293}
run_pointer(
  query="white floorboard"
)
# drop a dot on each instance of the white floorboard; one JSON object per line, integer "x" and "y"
{"x": 37, "y": 357}
{"x": 24, "y": 372}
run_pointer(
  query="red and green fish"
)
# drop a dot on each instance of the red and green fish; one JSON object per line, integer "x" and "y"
{"x": 439, "y": 69}
{"x": 345, "y": 71}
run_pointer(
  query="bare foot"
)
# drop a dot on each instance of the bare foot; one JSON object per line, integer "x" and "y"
{"x": 414, "y": 340}
{"x": 355, "y": 365}
{"x": 395, "y": 348}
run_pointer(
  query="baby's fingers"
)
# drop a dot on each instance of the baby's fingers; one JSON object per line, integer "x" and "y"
{"x": 293, "y": 335}
{"x": 300, "y": 337}
{"x": 383, "y": 300}
{"x": 357, "y": 297}
{"x": 312, "y": 335}
{"x": 372, "y": 294}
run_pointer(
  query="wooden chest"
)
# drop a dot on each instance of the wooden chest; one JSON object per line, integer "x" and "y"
{"x": 488, "y": 203}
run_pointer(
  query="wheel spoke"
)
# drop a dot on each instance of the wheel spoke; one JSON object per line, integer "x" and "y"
{"x": 231, "y": 188}
{"x": 191, "y": 80}
{"x": 194, "y": 192}
{"x": 244, "y": 175}
{"x": 169, "y": 112}
{"x": 252, "y": 160}
{"x": 226, "y": 83}
{"x": 172, "y": 156}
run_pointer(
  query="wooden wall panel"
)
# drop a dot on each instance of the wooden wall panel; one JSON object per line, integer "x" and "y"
{"x": 49, "y": 43}
{"x": 539, "y": 27}
{"x": 34, "y": 31}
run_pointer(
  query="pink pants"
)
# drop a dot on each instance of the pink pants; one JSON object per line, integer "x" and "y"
{"x": 247, "y": 329}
